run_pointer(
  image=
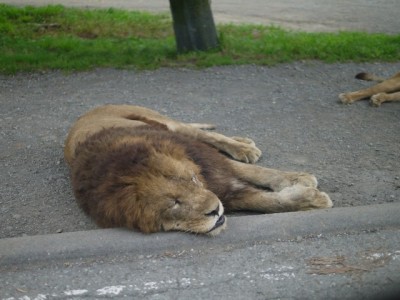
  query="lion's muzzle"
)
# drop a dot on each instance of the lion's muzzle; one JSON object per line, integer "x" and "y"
{"x": 220, "y": 222}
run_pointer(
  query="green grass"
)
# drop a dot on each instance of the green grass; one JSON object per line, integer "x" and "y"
{"x": 55, "y": 37}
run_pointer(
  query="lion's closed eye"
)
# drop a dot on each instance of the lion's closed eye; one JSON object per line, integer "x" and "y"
{"x": 174, "y": 202}
{"x": 213, "y": 213}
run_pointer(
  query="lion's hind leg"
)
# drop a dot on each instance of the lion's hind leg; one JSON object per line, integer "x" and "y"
{"x": 241, "y": 150}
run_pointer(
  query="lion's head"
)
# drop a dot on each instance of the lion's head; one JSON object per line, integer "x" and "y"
{"x": 175, "y": 197}
{"x": 152, "y": 191}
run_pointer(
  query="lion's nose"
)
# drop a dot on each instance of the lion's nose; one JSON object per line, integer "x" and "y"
{"x": 220, "y": 221}
{"x": 214, "y": 212}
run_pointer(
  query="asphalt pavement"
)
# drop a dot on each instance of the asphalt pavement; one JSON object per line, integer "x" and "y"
{"x": 341, "y": 253}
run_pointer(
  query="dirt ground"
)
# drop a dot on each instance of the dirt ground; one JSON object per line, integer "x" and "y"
{"x": 291, "y": 111}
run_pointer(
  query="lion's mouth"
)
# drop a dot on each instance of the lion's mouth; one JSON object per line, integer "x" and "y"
{"x": 219, "y": 223}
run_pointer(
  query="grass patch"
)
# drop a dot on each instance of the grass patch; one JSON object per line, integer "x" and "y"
{"x": 55, "y": 37}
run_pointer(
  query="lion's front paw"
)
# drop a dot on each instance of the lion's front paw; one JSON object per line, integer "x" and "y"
{"x": 303, "y": 179}
{"x": 378, "y": 99}
{"x": 345, "y": 98}
{"x": 247, "y": 153}
{"x": 287, "y": 179}
{"x": 244, "y": 149}
{"x": 244, "y": 140}
{"x": 299, "y": 197}
{"x": 320, "y": 200}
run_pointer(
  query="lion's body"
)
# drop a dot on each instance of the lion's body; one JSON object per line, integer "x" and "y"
{"x": 386, "y": 90}
{"x": 132, "y": 167}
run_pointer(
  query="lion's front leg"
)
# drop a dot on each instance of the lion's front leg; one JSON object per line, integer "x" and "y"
{"x": 293, "y": 198}
{"x": 275, "y": 180}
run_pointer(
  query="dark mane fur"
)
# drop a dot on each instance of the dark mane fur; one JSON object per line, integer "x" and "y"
{"x": 102, "y": 164}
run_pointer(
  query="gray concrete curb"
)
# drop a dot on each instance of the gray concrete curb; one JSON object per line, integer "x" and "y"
{"x": 241, "y": 230}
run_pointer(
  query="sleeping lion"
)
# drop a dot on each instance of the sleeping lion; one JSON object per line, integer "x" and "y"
{"x": 386, "y": 90}
{"x": 133, "y": 167}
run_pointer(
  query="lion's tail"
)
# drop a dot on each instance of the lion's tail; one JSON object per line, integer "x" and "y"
{"x": 369, "y": 77}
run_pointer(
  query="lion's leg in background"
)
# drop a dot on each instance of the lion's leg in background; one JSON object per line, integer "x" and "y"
{"x": 292, "y": 198}
{"x": 390, "y": 85}
{"x": 378, "y": 99}
{"x": 270, "y": 178}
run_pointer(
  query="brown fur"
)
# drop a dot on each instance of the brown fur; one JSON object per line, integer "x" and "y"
{"x": 132, "y": 167}
{"x": 386, "y": 90}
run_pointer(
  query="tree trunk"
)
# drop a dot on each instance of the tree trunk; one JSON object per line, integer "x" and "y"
{"x": 193, "y": 25}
